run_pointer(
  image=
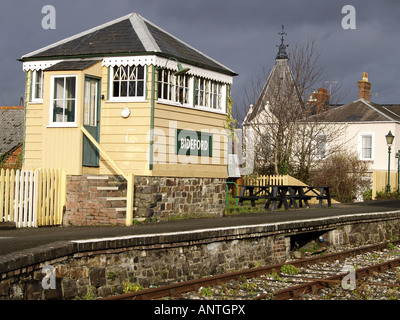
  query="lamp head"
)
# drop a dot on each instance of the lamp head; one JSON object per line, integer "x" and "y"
{"x": 389, "y": 138}
{"x": 181, "y": 70}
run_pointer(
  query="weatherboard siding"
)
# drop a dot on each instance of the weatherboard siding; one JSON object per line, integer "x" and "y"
{"x": 167, "y": 119}
{"x": 33, "y": 130}
{"x": 126, "y": 140}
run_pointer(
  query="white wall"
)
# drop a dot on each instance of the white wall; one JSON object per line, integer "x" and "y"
{"x": 379, "y": 147}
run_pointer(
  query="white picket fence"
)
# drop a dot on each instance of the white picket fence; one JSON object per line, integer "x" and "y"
{"x": 32, "y": 198}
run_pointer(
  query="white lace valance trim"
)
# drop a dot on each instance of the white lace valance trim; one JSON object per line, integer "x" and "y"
{"x": 162, "y": 62}
{"x": 142, "y": 61}
{"x": 38, "y": 65}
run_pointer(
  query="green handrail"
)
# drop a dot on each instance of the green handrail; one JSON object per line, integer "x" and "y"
{"x": 237, "y": 191}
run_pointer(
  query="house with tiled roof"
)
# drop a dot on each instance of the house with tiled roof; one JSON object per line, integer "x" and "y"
{"x": 11, "y": 135}
{"x": 127, "y": 97}
{"x": 359, "y": 126}
{"x": 366, "y": 125}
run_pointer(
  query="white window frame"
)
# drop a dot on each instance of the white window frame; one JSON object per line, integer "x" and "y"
{"x": 62, "y": 124}
{"x": 174, "y": 83}
{"x": 127, "y": 98}
{"x": 205, "y": 94}
{"x": 321, "y": 138}
{"x": 360, "y": 145}
{"x": 34, "y": 84}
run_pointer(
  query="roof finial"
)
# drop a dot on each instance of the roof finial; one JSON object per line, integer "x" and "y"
{"x": 282, "y": 47}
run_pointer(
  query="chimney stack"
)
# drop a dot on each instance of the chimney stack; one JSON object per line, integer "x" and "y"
{"x": 364, "y": 88}
{"x": 320, "y": 100}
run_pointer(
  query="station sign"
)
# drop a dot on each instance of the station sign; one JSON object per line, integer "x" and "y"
{"x": 194, "y": 143}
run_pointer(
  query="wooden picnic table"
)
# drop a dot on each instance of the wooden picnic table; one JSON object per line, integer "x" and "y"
{"x": 321, "y": 196}
{"x": 286, "y": 195}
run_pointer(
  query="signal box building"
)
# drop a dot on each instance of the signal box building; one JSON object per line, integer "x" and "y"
{"x": 127, "y": 98}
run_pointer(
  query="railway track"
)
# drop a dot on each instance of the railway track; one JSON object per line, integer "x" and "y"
{"x": 298, "y": 279}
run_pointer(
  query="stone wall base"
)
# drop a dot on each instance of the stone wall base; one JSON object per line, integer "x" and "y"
{"x": 160, "y": 198}
{"x": 101, "y": 200}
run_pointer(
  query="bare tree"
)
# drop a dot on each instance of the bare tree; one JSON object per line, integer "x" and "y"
{"x": 290, "y": 136}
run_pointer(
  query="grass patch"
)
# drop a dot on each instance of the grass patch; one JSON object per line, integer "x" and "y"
{"x": 235, "y": 209}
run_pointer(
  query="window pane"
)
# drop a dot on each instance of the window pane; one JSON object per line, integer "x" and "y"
{"x": 321, "y": 146}
{"x": 116, "y": 73}
{"x": 140, "y": 72}
{"x": 367, "y": 141}
{"x": 367, "y": 153}
{"x": 59, "y": 88}
{"x": 207, "y": 94}
{"x": 58, "y": 111}
{"x": 124, "y": 89}
{"x": 90, "y": 103}
{"x": 124, "y": 73}
{"x": 132, "y": 88}
{"x": 70, "y": 87}
{"x": 86, "y": 105}
{"x": 140, "y": 88}
{"x": 165, "y": 91}
{"x": 196, "y": 96}
{"x": 70, "y": 111}
{"x": 38, "y": 85}
{"x": 116, "y": 89}
{"x": 159, "y": 90}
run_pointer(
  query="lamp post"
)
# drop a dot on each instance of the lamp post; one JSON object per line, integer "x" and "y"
{"x": 389, "y": 142}
{"x": 398, "y": 170}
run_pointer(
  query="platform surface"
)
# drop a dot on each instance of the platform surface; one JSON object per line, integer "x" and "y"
{"x": 15, "y": 240}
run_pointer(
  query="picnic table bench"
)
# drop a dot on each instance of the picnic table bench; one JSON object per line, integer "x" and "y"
{"x": 286, "y": 195}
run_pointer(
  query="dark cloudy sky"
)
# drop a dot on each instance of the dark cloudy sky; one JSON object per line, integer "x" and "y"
{"x": 241, "y": 34}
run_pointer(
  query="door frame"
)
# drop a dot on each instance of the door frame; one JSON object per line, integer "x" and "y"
{"x": 98, "y": 106}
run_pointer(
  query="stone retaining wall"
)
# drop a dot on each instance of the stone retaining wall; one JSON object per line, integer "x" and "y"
{"x": 99, "y": 268}
{"x": 163, "y": 197}
{"x": 155, "y": 199}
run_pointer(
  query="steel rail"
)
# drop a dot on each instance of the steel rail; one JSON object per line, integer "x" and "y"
{"x": 194, "y": 285}
{"x": 314, "y": 286}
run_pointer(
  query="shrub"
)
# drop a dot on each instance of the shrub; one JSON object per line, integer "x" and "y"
{"x": 345, "y": 175}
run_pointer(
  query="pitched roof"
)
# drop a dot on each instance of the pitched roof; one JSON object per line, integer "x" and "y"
{"x": 362, "y": 111}
{"x": 11, "y": 127}
{"x": 280, "y": 82}
{"x": 128, "y": 35}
